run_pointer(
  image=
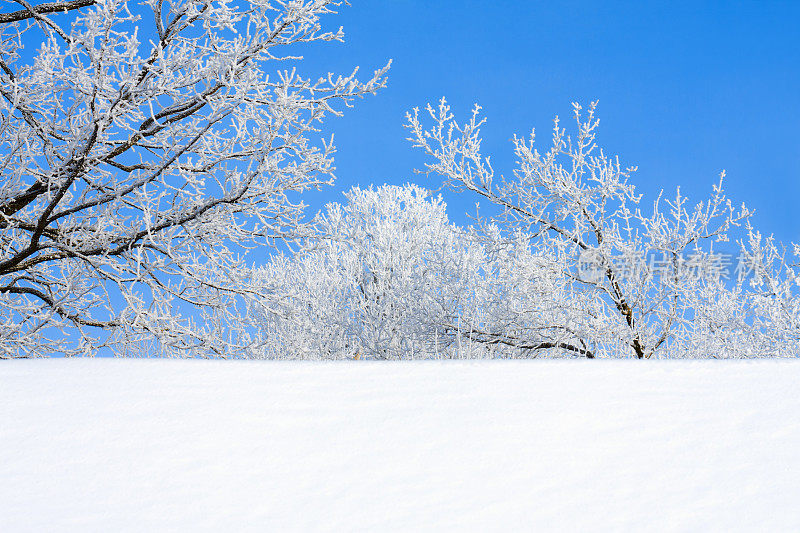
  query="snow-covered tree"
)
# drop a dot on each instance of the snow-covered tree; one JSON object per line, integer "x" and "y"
{"x": 633, "y": 280}
{"x": 758, "y": 314}
{"x": 571, "y": 266}
{"x": 387, "y": 277}
{"x": 143, "y": 147}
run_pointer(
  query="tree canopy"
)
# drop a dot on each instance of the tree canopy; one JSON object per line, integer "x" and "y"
{"x": 143, "y": 147}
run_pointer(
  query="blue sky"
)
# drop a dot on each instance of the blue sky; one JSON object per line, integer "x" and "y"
{"x": 686, "y": 89}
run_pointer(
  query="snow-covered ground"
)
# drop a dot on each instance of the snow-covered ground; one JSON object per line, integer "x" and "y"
{"x": 143, "y": 445}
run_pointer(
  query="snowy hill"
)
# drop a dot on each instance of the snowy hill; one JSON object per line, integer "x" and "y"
{"x": 138, "y": 445}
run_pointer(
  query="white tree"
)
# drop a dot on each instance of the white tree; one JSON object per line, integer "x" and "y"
{"x": 756, "y": 316}
{"x": 631, "y": 279}
{"x": 143, "y": 148}
{"x": 388, "y": 277}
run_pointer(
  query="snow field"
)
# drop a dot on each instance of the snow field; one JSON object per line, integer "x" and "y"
{"x": 164, "y": 445}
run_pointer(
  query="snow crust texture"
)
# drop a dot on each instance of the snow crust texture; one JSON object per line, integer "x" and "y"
{"x": 160, "y": 445}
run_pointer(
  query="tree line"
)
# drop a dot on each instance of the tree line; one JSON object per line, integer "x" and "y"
{"x": 145, "y": 149}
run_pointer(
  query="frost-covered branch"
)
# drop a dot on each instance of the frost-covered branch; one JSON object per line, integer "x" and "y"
{"x": 577, "y": 206}
{"x": 143, "y": 150}
{"x": 41, "y": 9}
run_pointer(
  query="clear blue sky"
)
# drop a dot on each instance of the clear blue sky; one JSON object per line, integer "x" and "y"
{"x": 686, "y": 89}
